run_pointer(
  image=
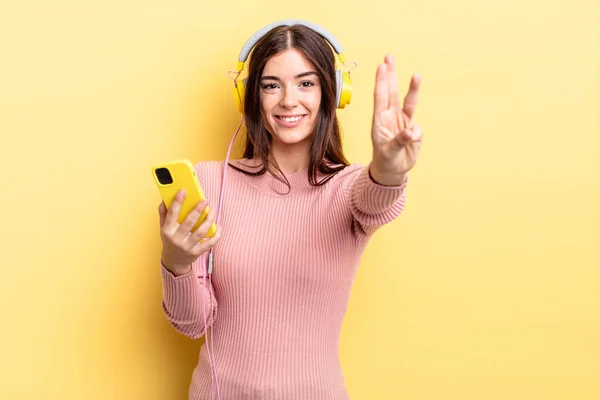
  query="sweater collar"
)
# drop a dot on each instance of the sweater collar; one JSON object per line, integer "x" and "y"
{"x": 298, "y": 181}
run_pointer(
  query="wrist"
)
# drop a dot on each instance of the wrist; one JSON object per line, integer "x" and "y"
{"x": 177, "y": 270}
{"x": 386, "y": 177}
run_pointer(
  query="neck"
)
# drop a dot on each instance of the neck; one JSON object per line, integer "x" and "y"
{"x": 291, "y": 158}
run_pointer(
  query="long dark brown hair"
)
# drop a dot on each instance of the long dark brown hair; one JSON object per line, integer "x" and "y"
{"x": 326, "y": 154}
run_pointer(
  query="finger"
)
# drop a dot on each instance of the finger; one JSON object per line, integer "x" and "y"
{"x": 414, "y": 134}
{"x": 403, "y": 122}
{"x": 192, "y": 218}
{"x": 411, "y": 98}
{"x": 381, "y": 89}
{"x": 204, "y": 227}
{"x": 162, "y": 212}
{"x": 417, "y": 133}
{"x": 404, "y": 137}
{"x": 392, "y": 80}
{"x": 207, "y": 244}
{"x": 173, "y": 212}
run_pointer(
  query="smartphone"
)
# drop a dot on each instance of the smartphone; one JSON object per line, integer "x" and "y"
{"x": 171, "y": 177}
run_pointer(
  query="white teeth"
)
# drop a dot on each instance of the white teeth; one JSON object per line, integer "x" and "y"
{"x": 291, "y": 119}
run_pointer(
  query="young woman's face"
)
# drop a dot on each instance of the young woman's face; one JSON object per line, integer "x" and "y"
{"x": 290, "y": 95}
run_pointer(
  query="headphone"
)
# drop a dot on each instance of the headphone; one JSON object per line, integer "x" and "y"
{"x": 343, "y": 80}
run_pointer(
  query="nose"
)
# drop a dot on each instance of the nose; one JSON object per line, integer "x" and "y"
{"x": 289, "y": 97}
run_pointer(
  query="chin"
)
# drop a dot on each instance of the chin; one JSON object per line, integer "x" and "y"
{"x": 292, "y": 138}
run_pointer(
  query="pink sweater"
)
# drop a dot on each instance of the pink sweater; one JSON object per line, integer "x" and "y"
{"x": 283, "y": 271}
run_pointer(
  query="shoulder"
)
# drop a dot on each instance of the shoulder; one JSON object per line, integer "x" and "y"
{"x": 209, "y": 170}
{"x": 206, "y": 165}
{"x": 349, "y": 174}
{"x": 351, "y": 170}
{"x": 212, "y": 170}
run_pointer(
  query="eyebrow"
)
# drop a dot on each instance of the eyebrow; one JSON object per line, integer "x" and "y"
{"x": 275, "y": 78}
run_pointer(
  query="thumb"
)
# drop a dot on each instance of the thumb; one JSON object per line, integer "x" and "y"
{"x": 162, "y": 211}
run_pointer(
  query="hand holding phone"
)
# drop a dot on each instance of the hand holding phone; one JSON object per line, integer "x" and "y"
{"x": 187, "y": 223}
{"x": 181, "y": 246}
{"x": 174, "y": 176}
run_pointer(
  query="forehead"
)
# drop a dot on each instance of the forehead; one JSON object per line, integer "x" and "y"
{"x": 289, "y": 62}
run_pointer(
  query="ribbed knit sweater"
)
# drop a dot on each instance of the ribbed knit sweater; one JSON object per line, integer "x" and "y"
{"x": 283, "y": 272}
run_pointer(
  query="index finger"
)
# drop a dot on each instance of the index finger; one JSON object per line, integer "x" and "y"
{"x": 411, "y": 98}
{"x": 173, "y": 211}
{"x": 392, "y": 80}
{"x": 381, "y": 89}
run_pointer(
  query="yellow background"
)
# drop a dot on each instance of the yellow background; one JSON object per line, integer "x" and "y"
{"x": 487, "y": 287}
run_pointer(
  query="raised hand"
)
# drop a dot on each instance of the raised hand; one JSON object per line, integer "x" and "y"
{"x": 396, "y": 139}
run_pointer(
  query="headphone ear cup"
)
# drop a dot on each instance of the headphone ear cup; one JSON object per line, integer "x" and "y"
{"x": 343, "y": 88}
{"x": 338, "y": 87}
{"x": 345, "y": 92}
{"x": 239, "y": 92}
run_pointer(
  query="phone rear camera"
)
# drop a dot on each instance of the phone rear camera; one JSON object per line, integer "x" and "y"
{"x": 164, "y": 176}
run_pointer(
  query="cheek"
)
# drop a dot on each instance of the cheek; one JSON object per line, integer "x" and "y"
{"x": 265, "y": 110}
{"x": 268, "y": 103}
{"x": 316, "y": 102}
{"x": 267, "y": 122}
{"x": 314, "y": 107}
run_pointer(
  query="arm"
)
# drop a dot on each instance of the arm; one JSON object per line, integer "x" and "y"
{"x": 189, "y": 301}
{"x": 377, "y": 194}
{"x": 372, "y": 204}
{"x": 188, "y": 297}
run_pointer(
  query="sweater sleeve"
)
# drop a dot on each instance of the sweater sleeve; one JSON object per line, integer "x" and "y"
{"x": 189, "y": 301}
{"x": 372, "y": 205}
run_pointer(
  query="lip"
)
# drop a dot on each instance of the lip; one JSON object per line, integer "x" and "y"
{"x": 289, "y": 124}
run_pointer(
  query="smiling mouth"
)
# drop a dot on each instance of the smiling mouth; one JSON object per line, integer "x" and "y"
{"x": 294, "y": 118}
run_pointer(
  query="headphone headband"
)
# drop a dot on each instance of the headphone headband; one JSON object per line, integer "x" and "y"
{"x": 342, "y": 79}
{"x": 263, "y": 31}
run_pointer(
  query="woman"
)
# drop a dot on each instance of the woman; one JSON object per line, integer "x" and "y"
{"x": 296, "y": 222}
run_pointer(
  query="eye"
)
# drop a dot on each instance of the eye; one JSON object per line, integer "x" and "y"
{"x": 270, "y": 87}
{"x": 307, "y": 84}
